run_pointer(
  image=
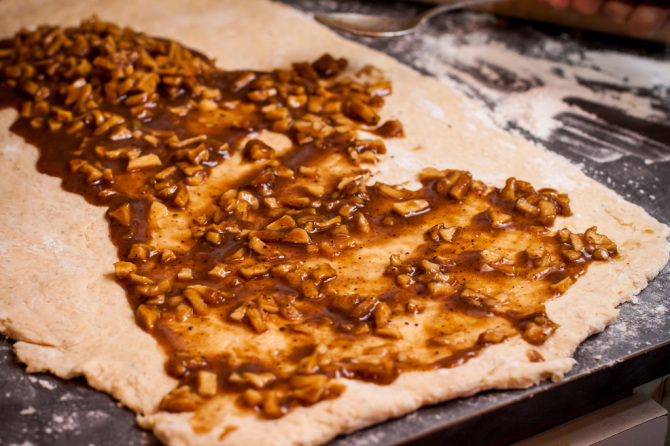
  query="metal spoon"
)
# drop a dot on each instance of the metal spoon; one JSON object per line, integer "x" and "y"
{"x": 380, "y": 26}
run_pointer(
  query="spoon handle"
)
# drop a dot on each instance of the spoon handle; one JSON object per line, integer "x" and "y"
{"x": 456, "y": 5}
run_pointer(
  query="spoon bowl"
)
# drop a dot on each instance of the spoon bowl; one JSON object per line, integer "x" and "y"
{"x": 369, "y": 25}
{"x": 365, "y": 25}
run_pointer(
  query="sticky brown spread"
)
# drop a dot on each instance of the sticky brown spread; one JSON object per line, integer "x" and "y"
{"x": 254, "y": 244}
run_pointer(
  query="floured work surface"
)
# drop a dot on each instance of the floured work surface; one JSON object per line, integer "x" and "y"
{"x": 478, "y": 250}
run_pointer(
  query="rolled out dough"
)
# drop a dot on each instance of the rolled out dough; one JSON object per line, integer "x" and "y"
{"x": 58, "y": 298}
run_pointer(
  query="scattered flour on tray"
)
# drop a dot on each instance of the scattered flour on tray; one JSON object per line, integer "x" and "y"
{"x": 49, "y": 385}
{"x": 28, "y": 411}
{"x": 528, "y": 91}
{"x": 67, "y": 422}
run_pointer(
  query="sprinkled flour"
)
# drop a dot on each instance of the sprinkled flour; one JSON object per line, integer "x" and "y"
{"x": 546, "y": 91}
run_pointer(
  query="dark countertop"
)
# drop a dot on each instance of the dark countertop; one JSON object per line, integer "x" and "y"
{"x": 627, "y": 152}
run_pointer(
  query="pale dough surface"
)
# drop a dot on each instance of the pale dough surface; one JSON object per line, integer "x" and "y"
{"x": 57, "y": 293}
